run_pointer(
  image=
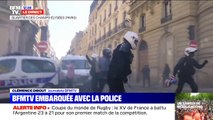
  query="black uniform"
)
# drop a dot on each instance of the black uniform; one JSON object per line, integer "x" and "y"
{"x": 185, "y": 69}
{"x": 104, "y": 67}
{"x": 119, "y": 67}
{"x": 94, "y": 74}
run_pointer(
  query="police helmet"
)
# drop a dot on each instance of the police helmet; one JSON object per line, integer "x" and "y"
{"x": 132, "y": 38}
{"x": 106, "y": 52}
{"x": 189, "y": 50}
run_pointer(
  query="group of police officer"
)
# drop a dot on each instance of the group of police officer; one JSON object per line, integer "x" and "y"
{"x": 113, "y": 68}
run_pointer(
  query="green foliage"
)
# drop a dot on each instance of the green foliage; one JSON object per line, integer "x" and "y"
{"x": 188, "y": 97}
{"x": 182, "y": 96}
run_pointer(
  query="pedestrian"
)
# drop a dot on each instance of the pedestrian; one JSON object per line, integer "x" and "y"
{"x": 122, "y": 58}
{"x": 146, "y": 75}
{"x": 166, "y": 73}
{"x": 94, "y": 71}
{"x": 104, "y": 68}
{"x": 185, "y": 68}
{"x": 70, "y": 75}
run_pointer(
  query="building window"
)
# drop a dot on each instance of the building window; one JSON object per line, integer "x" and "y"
{"x": 124, "y": 1}
{"x": 143, "y": 46}
{"x": 104, "y": 14}
{"x": 99, "y": 34}
{"x": 35, "y": 4}
{"x": 109, "y": 32}
{"x": 104, "y": 32}
{"x": 96, "y": 15}
{"x": 100, "y": 20}
{"x": 110, "y": 7}
{"x": 44, "y": 33}
{"x": 142, "y": 23}
{"x": 95, "y": 28}
{"x": 116, "y": 24}
{"x": 167, "y": 11}
{"x": 191, "y": 32}
{"x": 116, "y": 5}
{"x": 124, "y": 16}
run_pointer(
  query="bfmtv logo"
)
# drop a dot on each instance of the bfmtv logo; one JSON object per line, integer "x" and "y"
{"x": 16, "y": 10}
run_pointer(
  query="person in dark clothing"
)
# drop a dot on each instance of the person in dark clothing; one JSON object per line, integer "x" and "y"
{"x": 166, "y": 73}
{"x": 94, "y": 71}
{"x": 146, "y": 75}
{"x": 104, "y": 68}
{"x": 185, "y": 69}
{"x": 119, "y": 67}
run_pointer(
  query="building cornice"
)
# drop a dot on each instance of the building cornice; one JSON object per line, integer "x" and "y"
{"x": 135, "y": 6}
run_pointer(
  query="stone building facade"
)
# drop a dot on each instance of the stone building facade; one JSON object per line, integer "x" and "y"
{"x": 106, "y": 24}
{"x": 166, "y": 28}
{"x": 22, "y": 36}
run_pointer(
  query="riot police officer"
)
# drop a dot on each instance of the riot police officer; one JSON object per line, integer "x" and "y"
{"x": 104, "y": 68}
{"x": 122, "y": 57}
{"x": 185, "y": 69}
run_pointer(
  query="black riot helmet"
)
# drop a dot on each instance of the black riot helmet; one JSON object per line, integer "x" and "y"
{"x": 107, "y": 52}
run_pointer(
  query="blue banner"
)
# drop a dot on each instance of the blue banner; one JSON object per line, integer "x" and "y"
{"x": 92, "y": 98}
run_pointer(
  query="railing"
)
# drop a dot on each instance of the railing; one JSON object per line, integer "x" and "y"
{"x": 166, "y": 18}
{"x": 113, "y": 31}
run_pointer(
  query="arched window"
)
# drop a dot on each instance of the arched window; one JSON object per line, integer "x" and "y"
{"x": 143, "y": 45}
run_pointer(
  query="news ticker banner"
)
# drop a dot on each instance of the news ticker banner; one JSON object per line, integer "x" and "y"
{"x": 49, "y": 96}
{"x": 29, "y": 13}
{"x": 53, "y": 104}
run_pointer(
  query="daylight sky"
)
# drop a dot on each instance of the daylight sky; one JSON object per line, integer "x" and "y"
{"x": 63, "y": 31}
